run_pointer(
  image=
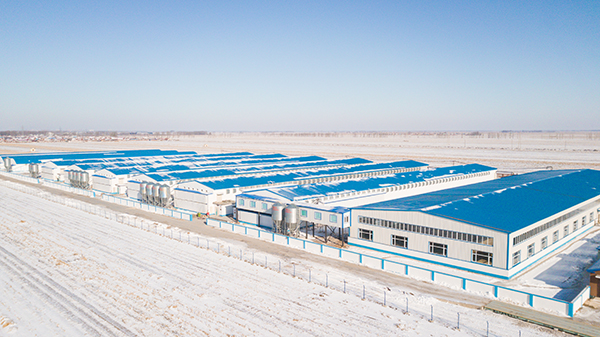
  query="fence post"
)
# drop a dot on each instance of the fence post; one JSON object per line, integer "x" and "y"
{"x": 363, "y": 292}
{"x": 431, "y": 313}
{"x": 384, "y": 298}
{"x": 458, "y": 321}
{"x": 252, "y": 257}
{"x": 488, "y": 329}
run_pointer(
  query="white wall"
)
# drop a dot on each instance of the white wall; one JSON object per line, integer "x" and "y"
{"x": 459, "y": 252}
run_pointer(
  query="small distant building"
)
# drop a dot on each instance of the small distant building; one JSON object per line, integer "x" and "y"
{"x": 594, "y": 271}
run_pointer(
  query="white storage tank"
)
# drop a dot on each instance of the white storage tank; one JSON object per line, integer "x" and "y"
{"x": 292, "y": 219}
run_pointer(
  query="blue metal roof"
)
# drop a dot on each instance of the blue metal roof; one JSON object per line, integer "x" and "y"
{"x": 594, "y": 268}
{"x": 284, "y": 177}
{"x": 368, "y": 183}
{"x": 40, "y": 157}
{"x": 507, "y": 204}
{"x": 229, "y": 171}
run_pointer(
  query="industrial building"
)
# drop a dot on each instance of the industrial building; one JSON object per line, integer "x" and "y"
{"x": 328, "y": 203}
{"x": 500, "y": 227}
{"x": 217, "y": 196}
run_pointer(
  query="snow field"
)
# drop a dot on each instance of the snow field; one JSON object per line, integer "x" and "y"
{"x": 66, "y": 272}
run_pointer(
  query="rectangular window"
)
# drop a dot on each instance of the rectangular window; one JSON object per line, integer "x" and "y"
{"x": 252, "y": 203}
{"x": 317, "y": 215}
{"x": 438, "y": 248}
{"x": 241, "y": 202}
{"x": 265, "y": 206}
{"x": 482, "y": 257}
{"x": 304, "y": 214}
{"x": 555, "y": 237}
{"x": 591, "y": 217}
{"x": 399, "y": 241}
{"x": 583, "y": 221}
{"x": 575, "y": 225}
{"x": 544, "y": 242}
{"x": 333, "y": 218}
{"x": 531, "y": 250}
{"x": 516, "y": 258}
{"x": 365, "y": 234}
{"x": 566, "y": 230}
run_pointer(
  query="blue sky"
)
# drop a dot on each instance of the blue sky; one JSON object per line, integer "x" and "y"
{"x": 300, "y": 65}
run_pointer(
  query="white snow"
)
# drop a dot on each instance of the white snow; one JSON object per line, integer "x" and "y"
{"x": 68, "y": 272}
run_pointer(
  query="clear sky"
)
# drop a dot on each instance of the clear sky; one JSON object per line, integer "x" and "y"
{"x": 300, "y": 65}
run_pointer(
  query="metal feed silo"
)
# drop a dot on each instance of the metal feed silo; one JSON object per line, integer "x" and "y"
{"x": 156, "y": 194}
{"x": 149, "y": 195}
{"x": 291, "y": 219}
{"x": 277, "y": 216}
{"x": 77, "y": 178}
{"x": 8, "y": 164}
{"x": 143, "y": 191}
{"x": 85, "y": 180}
{"x": 36, "y": 170}
{"x": 165, "y": 195}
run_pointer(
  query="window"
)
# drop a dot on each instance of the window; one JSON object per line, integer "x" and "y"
{"x": 317, "y": 215}
{"x": 438, "y": 248}
{"x": 544, "y": 242}
{"x": 333, "y": 218}
{"x": 566, "y": 230}
{"x": 241, "y": 202}
{"x": 516, "y": 258}
{"x": 482, "y": 257}
{"x": 303, "y": 213}
{"x": 583, "y": 221}
{"x": 399, "y": 241}
{"x": 252, "y": 203}
{"x": 531, "y": 250}
{"x": 365, "y": 234}
{"x": 265, "y": 206}
{"x": 555, "y": 237}
{"x": 484, "y": 240}
{"x": 575, "y": 224}
{"x": 591, "y": 218}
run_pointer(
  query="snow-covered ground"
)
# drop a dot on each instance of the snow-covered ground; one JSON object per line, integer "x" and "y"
{"x": 66, "y": 271}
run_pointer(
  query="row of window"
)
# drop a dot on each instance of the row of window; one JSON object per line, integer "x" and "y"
{"x": 474, "y": 238}
{"x": 434, "y": 247}
{"x": 544, "y": 242}
{"x": 535, "y": 231}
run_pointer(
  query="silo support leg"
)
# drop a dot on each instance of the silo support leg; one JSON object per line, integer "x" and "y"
{"x": 306, "y": 229}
